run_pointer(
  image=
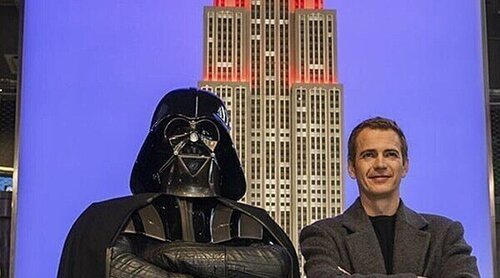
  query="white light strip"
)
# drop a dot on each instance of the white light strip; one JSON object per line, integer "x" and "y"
{"x": 6, "y": 169}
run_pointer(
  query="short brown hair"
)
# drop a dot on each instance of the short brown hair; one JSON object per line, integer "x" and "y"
{"x": 376, "y": 123}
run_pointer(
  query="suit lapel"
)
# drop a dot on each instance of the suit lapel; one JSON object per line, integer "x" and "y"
{"x": 362, "y": 244}
{"x": 364, "y": 252}
{"x": 411, "y": 243}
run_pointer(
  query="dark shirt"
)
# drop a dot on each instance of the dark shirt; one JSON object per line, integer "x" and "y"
{"x": 384, "y": 229}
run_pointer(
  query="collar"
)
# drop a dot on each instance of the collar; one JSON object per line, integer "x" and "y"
{"x": 356, "y": 219}
{"x": 410, "y": 241}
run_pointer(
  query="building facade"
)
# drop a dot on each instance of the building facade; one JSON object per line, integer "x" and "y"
{"x": 274, "y": 64}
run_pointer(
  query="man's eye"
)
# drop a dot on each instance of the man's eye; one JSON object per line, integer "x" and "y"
{"x": 392, "y": 154}
{"x": 368, "y": 155}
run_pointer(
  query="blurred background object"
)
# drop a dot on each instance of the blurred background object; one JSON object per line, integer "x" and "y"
{"x": 9, "y": 41}
{"x": 493, "y": 37}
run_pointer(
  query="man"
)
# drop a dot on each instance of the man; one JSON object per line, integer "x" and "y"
{"x": 378, "y": 236}
{"x": 183, "y": 219}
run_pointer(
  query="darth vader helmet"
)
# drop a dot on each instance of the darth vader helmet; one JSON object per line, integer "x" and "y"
{"x": 188, "y": 151}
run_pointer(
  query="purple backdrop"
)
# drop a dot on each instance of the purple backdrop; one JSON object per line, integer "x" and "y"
{"x": 94, "y": 70}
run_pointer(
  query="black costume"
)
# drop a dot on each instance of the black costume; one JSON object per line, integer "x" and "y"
{"x": 183, "y": 219}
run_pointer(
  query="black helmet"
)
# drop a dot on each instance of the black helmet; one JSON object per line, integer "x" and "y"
{"x": 191, "y": 109}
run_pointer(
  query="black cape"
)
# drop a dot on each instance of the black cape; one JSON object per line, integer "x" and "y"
{"x": 85, "y": 250}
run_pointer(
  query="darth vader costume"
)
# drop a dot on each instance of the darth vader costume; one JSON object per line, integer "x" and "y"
{"x": 183, "y": 219}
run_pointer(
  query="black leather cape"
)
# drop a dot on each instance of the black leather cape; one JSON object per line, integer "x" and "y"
{"x": 85, "y": 252}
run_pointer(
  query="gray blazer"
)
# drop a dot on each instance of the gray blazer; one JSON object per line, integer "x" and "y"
{"x": 424, "y": 245}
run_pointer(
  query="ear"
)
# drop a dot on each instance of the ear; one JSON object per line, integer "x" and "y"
{"x": 351, "y": 169}
{"x": 406, "y": 167}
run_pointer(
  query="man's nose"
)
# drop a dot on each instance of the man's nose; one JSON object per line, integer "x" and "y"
{"x": 380, "y": 163}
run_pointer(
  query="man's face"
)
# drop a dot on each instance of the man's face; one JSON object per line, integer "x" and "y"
{"x": 378, "y": 165}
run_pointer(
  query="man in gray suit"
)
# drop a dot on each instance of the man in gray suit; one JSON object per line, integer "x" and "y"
{"x": 378, "y": 236}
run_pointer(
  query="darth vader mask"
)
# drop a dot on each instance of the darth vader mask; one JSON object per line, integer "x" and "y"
{"x": 192, "y": 170}
{"x": 188, "y": 150}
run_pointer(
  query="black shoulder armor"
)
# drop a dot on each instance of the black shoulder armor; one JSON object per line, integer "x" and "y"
{"x": 225, "y": 224}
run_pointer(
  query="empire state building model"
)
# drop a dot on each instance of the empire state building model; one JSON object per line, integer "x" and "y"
{"x": 274, "y": 63}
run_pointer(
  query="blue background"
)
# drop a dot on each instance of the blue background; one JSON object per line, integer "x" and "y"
{"x": 94, "y": 70}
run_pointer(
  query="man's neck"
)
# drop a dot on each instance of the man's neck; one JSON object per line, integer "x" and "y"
{"x": 380, "y": 206}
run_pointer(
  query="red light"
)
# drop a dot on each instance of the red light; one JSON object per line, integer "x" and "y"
{"x": 232, "y": 3}
{"x": 219, "y": 3}
{"x": 307, "y": 4}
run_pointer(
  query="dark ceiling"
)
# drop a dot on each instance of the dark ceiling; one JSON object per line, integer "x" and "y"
{"x": 493, "y": 31}
{"x": 9, "y": 38}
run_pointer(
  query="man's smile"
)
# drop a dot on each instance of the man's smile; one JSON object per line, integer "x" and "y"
{"x": 375, "y": 176}
{"x": 380, "y": 179}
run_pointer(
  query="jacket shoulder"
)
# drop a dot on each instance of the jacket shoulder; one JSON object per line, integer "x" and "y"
{"x": 440, "y": 223}
{"x": 329, "y": 227}
{"x": 434, "y": 218}
{"x": 329, "y": 223}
